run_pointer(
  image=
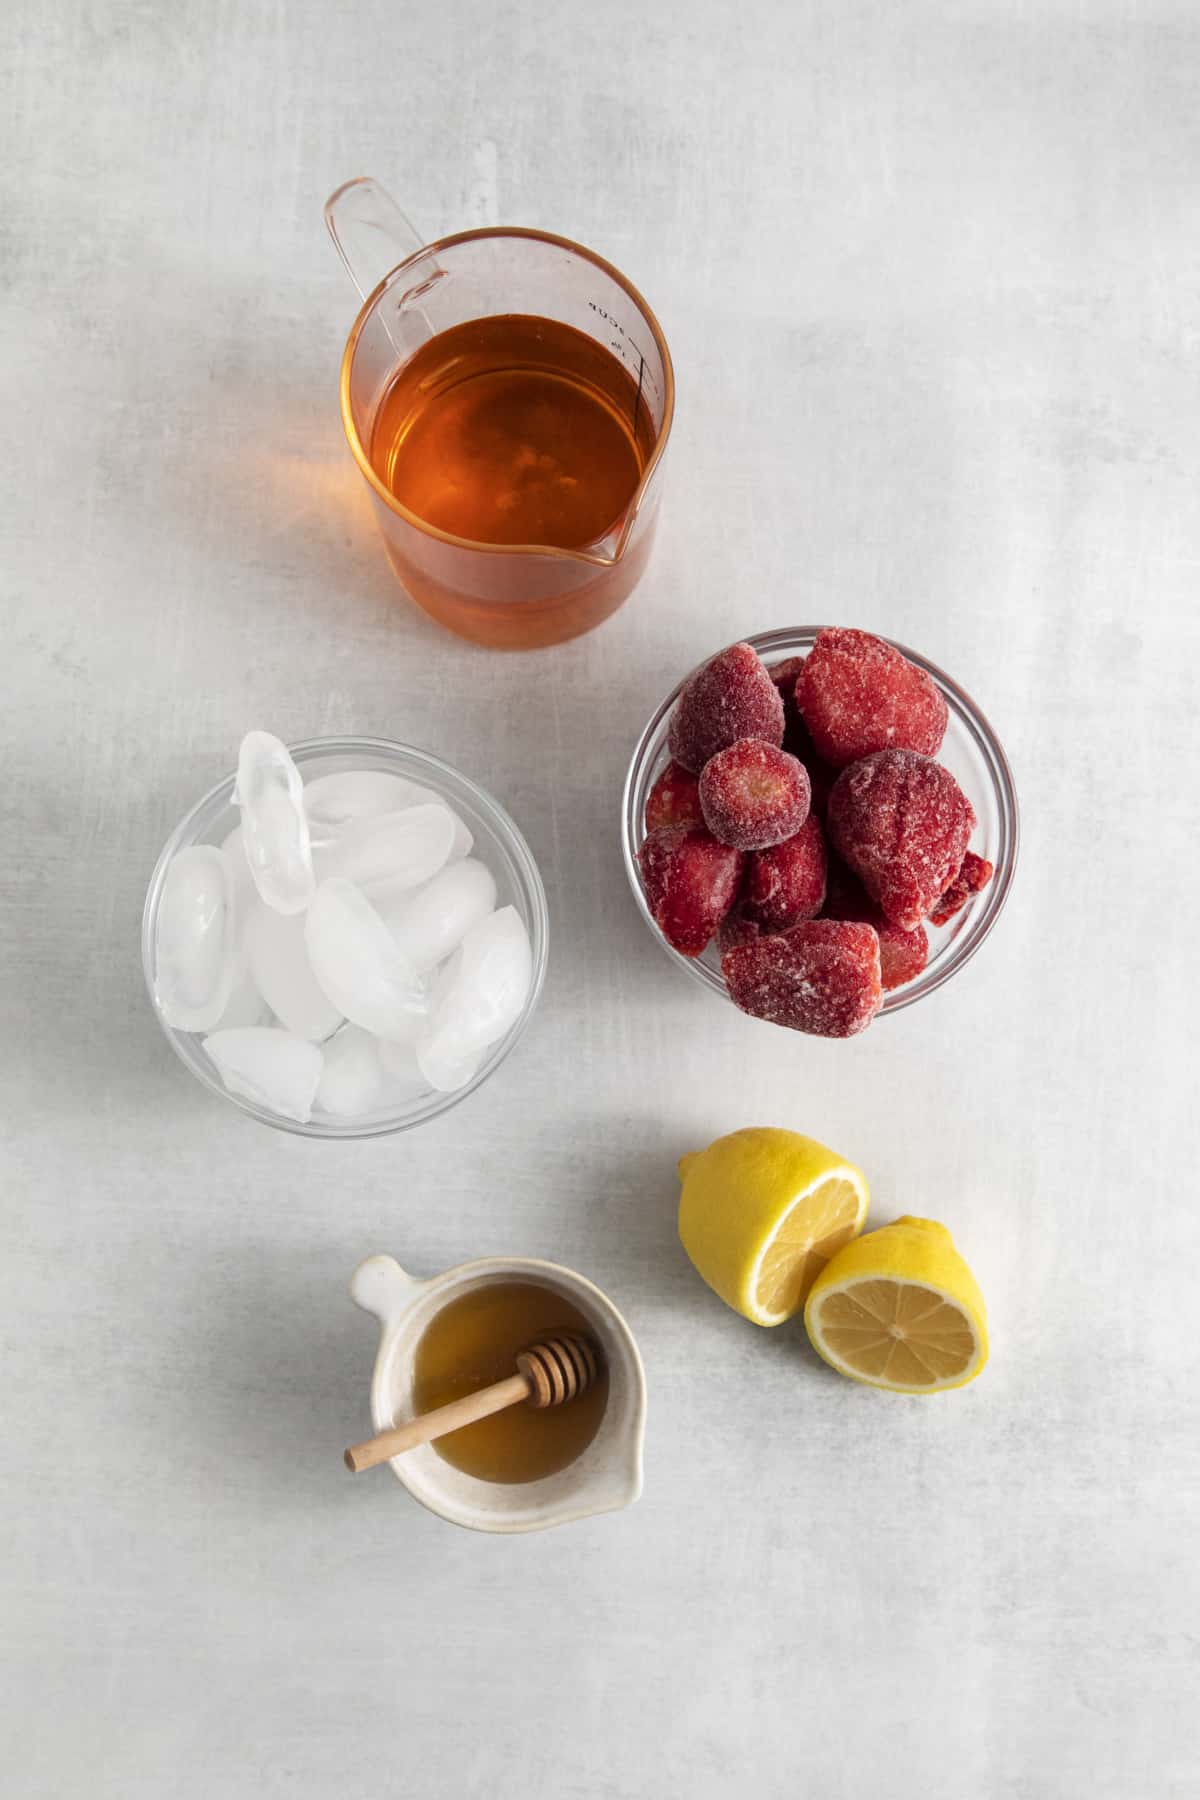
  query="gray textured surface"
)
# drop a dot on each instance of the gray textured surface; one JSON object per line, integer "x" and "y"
{"x": 931, "y": 278}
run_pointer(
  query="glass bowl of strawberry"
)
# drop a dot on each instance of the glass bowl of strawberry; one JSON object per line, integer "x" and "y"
{"x": 821, "y": 826}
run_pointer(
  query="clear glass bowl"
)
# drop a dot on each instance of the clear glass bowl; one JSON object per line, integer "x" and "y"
{"x": 498, "y": 843}
{"x": 972, "y": 753}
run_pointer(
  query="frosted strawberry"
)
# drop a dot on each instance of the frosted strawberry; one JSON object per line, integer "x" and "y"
{"x": 731, "y": 697}
{"x": 784, "y": 675}
{"x": 821, "y": 977}
{"x": 753, "y": 795}
{"x": 691, "y": 881}
{"x": 902, "y": 823}
{"x": 857, "y": 695}
{"x": 674, "y": 799}
{"x": 737, "y": 929}
{"x": 786, "y": 883}
{"x": 902, "y": 954}
{"x": 796, "y": 740}
{"x": 974, "y": 875}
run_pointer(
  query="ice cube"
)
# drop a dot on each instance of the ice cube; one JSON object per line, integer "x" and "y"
{"x": 402, "y": 1077}
{"x": 359, "y": 794}
{"x": 278, "y": 960}
{"x": 403, "y": 849}
{"x": 352, "y": 1080}
{"x": 194, "y": 954}
{"x": 432, "y": 922}
{"x": 390, "y": 893}
{"x": 233, "y": 849}
{"x": 334, "y": 801}
{"x": 463, "y": 843}
{"x": 275, "y": 835}
{"x": 245, "y": 1005}
{"x": 438, "y": 1072}
{"x": 358, "y": 964}
{"x": 272, "y": 1067}
{"x": 245, "y": 895}
{"x": 485, "y": 987}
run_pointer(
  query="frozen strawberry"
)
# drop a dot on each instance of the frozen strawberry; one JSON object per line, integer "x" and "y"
{"x": 902, "y": 823}
{"x": 796, "y": 740}
{"x": 974, "y": 874}
{"x": 822, "y": 976}
{"x": 674, "y": 799}
{"x": 691, "y": 882}
{"x": 731, "y": 697}
{"x": 857, "y": 695}
{"x": 753, "y": 795}
{"x": 902, "y": 954}
{"x": 786, "y": 883}
{"x": 784, "y": 675}
{"x": 737, "y": 929}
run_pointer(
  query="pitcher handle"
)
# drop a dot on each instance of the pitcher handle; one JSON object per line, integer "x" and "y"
{"x": 382, "y": 1287}
{"x": 369, "y": 231}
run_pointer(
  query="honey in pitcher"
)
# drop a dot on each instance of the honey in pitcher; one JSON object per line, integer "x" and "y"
{"x": 514, "y": 430}
{"x": 474, "y": 1341}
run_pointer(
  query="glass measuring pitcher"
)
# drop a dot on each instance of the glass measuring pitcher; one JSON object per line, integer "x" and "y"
{"x": 510, "y": 595}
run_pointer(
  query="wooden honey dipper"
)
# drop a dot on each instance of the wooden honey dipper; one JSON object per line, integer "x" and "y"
{"x": 549, "y": 1374}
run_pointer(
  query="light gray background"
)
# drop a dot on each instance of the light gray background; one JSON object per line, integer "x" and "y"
{"x": 932, "y": 280}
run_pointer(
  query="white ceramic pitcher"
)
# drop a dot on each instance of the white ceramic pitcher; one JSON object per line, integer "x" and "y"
{"x": 608, "y": 1473}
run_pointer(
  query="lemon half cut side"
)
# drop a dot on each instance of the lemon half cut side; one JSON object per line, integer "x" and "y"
{"x": 762, "y": 1211}
{"x": 900, "y": 1309}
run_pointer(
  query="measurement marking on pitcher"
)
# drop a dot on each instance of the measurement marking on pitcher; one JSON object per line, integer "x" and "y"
{"x": 637, "y": 399}
{"x": 620, "y": 349}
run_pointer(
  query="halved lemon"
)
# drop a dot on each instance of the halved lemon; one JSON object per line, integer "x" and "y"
{"x": 761, "y": 1213}
{"x": 900, "y": 1309}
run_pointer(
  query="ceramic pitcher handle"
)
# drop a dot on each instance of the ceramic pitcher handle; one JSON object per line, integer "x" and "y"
{"x": 370, "y": 232}
{"x": 381, "y": 1286}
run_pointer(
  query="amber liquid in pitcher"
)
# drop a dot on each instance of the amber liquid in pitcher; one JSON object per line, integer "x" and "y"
{"x": 514, "y": 430}
{"x": 474, "y": 1341}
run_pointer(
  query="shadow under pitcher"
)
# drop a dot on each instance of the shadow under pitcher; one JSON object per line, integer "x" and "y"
{"x": 508, "y": 398}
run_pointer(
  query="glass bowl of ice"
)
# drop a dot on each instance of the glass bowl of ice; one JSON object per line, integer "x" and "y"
{"x": 345, "y": 937}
